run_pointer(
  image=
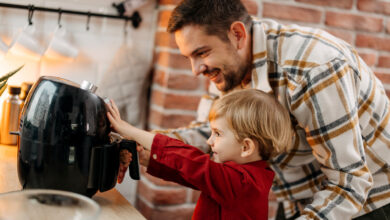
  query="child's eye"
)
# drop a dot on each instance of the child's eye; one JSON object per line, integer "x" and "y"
{"x": 217, "y": 134}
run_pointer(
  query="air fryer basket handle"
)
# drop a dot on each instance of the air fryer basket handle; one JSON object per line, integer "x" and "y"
{"x": 131, "y": 146}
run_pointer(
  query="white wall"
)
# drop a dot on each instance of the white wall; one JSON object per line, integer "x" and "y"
{"x": 97, "y": 47}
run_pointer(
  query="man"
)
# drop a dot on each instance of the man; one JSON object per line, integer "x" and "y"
{"x": 339, "y": 166}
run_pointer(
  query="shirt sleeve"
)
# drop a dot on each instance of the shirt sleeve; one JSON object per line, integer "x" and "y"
{"x": 326, "y": 105}
{"x": 175, "y": 161}
{"x": 195, "y": 134}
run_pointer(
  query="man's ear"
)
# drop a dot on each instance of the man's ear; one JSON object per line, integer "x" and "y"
{"x": 248, "y": 147}
{"x": 238, "y": 34}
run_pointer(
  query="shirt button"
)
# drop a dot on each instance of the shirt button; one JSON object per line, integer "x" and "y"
{"x": 155, "y": 156}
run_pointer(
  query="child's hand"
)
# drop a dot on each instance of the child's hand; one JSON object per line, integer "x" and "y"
{"x": 143, "y": 155}
{"x": 125, "y": 158}
{"x": 117, "y": 124}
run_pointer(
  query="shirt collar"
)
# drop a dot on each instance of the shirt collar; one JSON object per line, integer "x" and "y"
{"x": 259, "y": 59}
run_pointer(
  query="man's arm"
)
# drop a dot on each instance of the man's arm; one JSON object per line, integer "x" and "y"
{"x": 196, "y": 134}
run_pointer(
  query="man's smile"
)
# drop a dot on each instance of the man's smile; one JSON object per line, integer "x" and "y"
{"x": 213, "y": 75}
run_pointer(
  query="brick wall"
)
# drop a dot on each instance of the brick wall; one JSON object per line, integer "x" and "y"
{"x": 176, "y": 91}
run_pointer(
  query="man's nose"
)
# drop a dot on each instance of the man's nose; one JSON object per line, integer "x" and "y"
{"x": 198, "y": 67}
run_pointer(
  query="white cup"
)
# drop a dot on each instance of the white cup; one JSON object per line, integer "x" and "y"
{"x": 59, "y": 48}
{"x": 26, "y": 44}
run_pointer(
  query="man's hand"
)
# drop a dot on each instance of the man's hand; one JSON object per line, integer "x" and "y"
{"x": 125, "y": 158}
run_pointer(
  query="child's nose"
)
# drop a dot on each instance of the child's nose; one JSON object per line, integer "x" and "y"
{"x": 210, "y": 141}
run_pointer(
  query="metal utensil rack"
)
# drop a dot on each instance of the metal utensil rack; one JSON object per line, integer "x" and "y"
{"x": 135, "y": 18}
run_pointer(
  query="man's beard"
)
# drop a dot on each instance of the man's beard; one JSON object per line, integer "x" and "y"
{"x": 233, "y": 78}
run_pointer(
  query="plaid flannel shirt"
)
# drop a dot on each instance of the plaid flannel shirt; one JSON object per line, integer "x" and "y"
{"x": 341, "y": 115}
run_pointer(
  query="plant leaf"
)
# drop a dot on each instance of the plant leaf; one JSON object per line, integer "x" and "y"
{"x": 8, "y": 75}
{"x": 3, "y": 85}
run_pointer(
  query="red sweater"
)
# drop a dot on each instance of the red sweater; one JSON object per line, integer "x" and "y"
{"x": 228, "y": 190}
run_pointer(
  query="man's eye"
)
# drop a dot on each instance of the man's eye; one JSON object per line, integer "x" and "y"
{"x": 202, "y": 54}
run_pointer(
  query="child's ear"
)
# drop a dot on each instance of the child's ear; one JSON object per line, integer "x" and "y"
{"x": 248, "y": 147}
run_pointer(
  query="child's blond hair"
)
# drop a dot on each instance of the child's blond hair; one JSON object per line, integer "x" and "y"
{"x": 257, "y": 115}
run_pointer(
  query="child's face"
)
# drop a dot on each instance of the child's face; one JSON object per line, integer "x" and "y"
{"x": 224, "y": 145}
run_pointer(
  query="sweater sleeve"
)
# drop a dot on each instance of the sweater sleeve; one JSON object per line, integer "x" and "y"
{"x": 175, "y": 161}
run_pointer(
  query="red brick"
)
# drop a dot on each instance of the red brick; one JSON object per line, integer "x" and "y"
{"x": 388, "y": 26}
{"x": 165, "y": 39}
{"x": 169, "y": 120}
{"x": 173, "y": 101}
{"x": 354, "y": 22}
{"x": 158, "y": 98}
{"x": 293, "y": 13}
{"x": 184, "y": 102}
{"x": 161, "y": 212}
{"x": 384, "y": 61}
{"x": 163, "y": 18}
{"x": 172, "y": 60}
{"x": 347, "y": 36}
{"x": 382, "y": 7}
{"x": 369, "y": 58}
{"x": 388, "y": 93}
{"x": 177, "y": 81}
{"x": 384, "y": 77}
{"x": 183, "y": 82}
{"x": 251, "y": 6}
{"x": 347, "y": 4}
{"x": 171, "y": 196}
{"x": 195, "y": 195}
{"x": 159, "y": 77}
{"x": 374, "y": 42}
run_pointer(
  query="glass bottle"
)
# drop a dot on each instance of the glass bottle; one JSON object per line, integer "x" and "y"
{"x": 10, "y": 116}
{"x": 25, "y": 89}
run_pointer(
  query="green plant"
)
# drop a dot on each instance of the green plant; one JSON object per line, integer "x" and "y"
{"x": 4, "y": 79}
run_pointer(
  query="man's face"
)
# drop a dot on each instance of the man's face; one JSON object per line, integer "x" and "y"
{"x": 214, "y": 58}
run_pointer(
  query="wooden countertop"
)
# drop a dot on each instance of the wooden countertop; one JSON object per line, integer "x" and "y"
{"x": 113, "y": 205}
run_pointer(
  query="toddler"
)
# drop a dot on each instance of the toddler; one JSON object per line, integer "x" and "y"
{"x": 248, "y": 127}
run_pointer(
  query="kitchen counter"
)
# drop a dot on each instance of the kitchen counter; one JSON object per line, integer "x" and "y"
{"x": 113, "y": 205}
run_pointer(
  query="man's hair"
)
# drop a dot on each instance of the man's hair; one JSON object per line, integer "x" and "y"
{"x": 257, "y": 115}
{"x": 215, "y": 16}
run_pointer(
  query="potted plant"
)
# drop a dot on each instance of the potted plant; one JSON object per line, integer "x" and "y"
{"x": 4, "y": 79}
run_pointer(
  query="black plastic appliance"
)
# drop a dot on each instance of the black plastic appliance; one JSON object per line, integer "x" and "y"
{"x": 64, "y": 139}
